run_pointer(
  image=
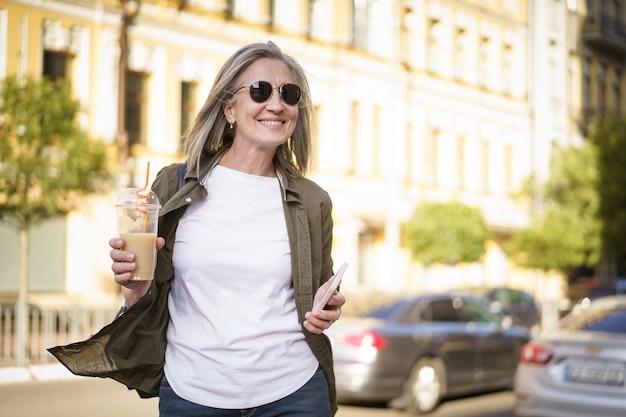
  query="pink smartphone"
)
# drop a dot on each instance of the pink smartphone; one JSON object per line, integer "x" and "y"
{"x": 319, "y": 303}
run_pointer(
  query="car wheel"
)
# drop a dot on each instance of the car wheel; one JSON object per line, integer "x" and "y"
{"x": 425, "y": 385}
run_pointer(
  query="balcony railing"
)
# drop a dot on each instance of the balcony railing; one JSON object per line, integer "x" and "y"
{"x": 48, "y": 328}
{"x": 606, "y": 31}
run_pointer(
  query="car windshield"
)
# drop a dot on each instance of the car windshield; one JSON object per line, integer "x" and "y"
{"x": 610, "y": 320}
{"x": 476, "y": 312}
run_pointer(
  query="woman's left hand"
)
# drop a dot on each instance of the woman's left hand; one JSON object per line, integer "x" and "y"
{"x": 320, "y": 320}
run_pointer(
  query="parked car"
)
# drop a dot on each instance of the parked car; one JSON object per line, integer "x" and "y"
{"x": 413, "y": 353}
{"x": 577, "y": 370}
{"x": 518, "y": 305}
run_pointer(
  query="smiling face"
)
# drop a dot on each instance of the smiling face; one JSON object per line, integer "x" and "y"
{"x": 266, "y": 125}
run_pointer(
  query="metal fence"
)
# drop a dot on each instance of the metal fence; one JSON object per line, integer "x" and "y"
{"x": 48, "y": 327}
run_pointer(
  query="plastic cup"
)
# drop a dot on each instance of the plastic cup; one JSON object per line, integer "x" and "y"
{"x": 137, "y": 222}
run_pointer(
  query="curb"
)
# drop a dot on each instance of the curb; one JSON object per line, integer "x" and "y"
{"x": 42, "y": 373}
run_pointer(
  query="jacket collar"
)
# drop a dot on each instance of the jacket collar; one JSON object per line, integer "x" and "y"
{"x": 208, "y": 162}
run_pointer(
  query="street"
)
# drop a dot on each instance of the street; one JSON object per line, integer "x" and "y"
{"x": 93, "y": 397}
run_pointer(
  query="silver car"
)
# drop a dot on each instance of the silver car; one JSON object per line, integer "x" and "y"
{"x": 577, "y": 370}
{"x": 419, "y": 350}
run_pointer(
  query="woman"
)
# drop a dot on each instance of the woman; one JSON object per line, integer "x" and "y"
{"x": 248, "y": 240}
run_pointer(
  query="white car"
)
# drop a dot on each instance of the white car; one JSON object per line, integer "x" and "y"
{"x": 578, "y": 369}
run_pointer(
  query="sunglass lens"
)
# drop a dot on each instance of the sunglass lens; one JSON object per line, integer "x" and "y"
{"x": 260, "y": 91}
{"x": 290, "y": 93}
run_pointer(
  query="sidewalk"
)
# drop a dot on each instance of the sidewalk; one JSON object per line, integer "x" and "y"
{"x": 47, "y": 372}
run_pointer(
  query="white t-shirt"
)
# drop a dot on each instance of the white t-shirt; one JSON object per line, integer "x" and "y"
{"x": 234, "y": 340}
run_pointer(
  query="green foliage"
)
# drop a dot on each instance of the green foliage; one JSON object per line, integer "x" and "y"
{"x": 446, "y": 233}
{"x": 567, "y": 232}
{"x": 47, "y": 162}
{"x": 609, "y": 135}
{"x": 552, "y": 242}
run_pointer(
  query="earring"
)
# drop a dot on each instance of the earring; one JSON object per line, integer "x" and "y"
{"x": 230, "y": 125}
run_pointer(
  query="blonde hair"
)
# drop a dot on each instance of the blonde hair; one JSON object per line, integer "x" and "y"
{"x": 210, "y": 131}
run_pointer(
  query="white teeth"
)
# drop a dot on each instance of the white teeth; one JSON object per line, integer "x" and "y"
{"x": 271, "y": 122}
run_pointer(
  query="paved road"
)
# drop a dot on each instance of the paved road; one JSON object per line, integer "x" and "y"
{"x": 93, "y": 397}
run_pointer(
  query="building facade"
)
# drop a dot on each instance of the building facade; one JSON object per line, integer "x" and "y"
{"x": 416, "y": 100}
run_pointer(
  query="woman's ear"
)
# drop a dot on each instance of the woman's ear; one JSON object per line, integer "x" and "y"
{"x": 229, "y": 113}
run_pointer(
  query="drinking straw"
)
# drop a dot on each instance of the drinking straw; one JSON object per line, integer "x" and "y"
{"x": 139, "y": 194}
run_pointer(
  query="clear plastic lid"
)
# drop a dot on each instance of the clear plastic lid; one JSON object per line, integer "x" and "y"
{"x": 136, "y": 197}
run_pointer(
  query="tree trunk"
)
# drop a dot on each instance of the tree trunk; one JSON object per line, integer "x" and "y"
{"x": 22, "y": 316}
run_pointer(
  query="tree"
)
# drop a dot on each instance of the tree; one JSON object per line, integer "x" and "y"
{"x": 609, "y": 135}
{"x": 446, "y": 233}
{"x": 566, "y": 233}
{"x": 47, "y": 164}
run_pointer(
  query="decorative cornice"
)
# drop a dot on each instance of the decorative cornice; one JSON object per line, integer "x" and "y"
{"x": 92, "y": 11}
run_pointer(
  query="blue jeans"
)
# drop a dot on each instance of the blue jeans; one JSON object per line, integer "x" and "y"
{"x": 309, "y": 401}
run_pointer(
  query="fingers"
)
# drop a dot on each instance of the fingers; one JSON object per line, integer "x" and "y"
{"x": 124, "y": 261}
{"x": 123, "y": 265}
{"x": 337, "y": 300}
{"x": 116, "y": 243}
{"x": 322, "y": 319}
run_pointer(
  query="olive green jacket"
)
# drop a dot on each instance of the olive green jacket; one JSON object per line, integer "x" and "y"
{"x": 131, "y": 349}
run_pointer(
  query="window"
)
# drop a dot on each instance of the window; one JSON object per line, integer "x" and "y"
{"x": 460, "y": 51}
{"x": 613, "y": 323}
{"x": 371, "y": 30}
{"x": 571, "y": 5}
{"x": 554, "y": 74}
{"x": 483, "y": 62}
{"x": 602, "y": 87}
{"x": 359, "y": 35}
{"x": 370, "y": 238}
{"x": 230, "y": 8}
{"x": 586, "y": 82}
{"x": 507, "y": 69}
{"x": 440, "y": 310}
{"x": 253, "y": 11}
{"x": 187, "y": 106}
{"x": 320, "y": 21}
{"x": 434, "y": 46}
{"x": 607, "y": 319}
{"x": 55, "y": 65}
{"x": 135, "y": 107}
{"x": 289, "y": 15}
{"x": 478, "y": 313}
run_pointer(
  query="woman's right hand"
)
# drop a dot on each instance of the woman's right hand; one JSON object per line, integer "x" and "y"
{"x": 122, "y": 267}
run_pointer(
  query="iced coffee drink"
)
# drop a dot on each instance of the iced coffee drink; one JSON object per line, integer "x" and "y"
{"x": 137, "y": 215}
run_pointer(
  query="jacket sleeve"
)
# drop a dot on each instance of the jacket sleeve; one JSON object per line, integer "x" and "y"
{"x": 131, "y": 349}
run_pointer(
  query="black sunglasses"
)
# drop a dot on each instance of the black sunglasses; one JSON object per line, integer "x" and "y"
{"x": 261, "y": 91}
